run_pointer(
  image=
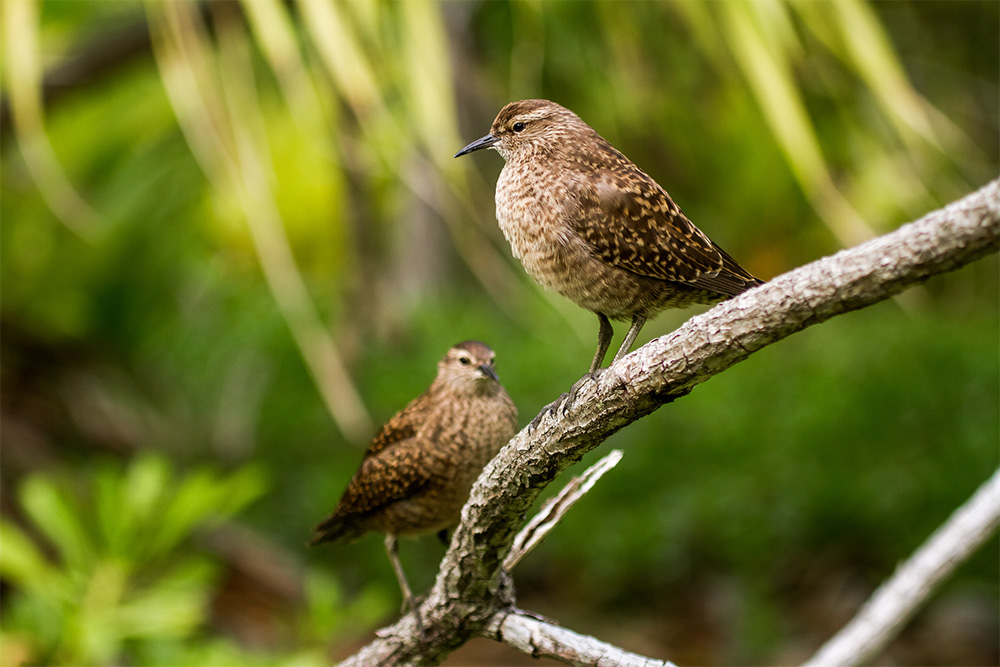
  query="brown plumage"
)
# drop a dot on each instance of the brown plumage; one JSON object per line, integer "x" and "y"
{"x": 417, "y": 472}
{"x": 589, "y": 224}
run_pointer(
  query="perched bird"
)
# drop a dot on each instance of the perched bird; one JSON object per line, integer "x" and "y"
{"x": 589, "y": 224}
{"x": 417, "y": 472}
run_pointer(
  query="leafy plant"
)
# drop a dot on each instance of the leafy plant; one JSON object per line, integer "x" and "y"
{"x": 115, "y": 564}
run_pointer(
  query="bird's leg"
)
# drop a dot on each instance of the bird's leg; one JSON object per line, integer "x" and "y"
{"x": 633, "y": 331}
{"x": 604, "y": 335}
{"x": 392, "y": 550}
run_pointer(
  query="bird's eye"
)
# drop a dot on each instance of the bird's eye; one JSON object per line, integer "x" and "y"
{"x": 465, "y": 361}
{"x": 518, "y": 126}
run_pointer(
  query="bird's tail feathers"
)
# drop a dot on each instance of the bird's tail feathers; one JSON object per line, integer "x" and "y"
{"x": 336, "y": 529}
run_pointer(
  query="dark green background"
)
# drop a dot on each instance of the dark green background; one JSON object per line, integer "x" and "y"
{"x": 746, "y": 521}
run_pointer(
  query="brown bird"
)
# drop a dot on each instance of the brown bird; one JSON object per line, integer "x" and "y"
{"x": 417, "y": 472}
{"x": 589, "y": 224}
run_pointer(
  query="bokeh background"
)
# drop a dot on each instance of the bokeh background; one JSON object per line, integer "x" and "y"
{"x": 234, "y": 241}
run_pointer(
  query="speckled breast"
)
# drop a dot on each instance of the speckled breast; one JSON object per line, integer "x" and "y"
{"x": 531, "y": 212}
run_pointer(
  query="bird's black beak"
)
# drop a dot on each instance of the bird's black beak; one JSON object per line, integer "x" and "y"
{"x": 488, "y": 370}
{"x": 485, "y": 142}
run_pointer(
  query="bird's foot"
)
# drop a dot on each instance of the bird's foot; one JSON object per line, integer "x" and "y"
{"x": 387, "y": 632}
{"x": 590, "y": 376}
{"x": 559, "y": 406}
{"x": 555, "y": 407}
{"x": 411, "y": 604}
{"x": 418, "y": 619}
{"x": 420, "y": 625}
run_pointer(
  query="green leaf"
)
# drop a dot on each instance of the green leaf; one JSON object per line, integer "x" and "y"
{"x": 24, "y": 565}
{"x": 146, "y": 482}
{"x": 112, "y": 519}
{"x": 175, "y": 607}
{"x": 55, "y": 516}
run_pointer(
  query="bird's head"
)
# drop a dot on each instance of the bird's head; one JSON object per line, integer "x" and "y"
{"x": 469, "y": 368}
{"x": 527, "y": 126}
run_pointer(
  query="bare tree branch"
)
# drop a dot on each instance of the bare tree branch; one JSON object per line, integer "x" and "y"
{"x": 542, "y": 639}
{"x": 555, "y": 509}
{"x": 471, "y": 588}
{"x": 896, "y": 600}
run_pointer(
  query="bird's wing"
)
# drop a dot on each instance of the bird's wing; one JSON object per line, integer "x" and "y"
{"x": 387, "y": 476}
{"x": 733, "y": 279}
{"x": 392, "y": 469}
{"x": 401, "y": 427}
{"x": 628, "y": 220}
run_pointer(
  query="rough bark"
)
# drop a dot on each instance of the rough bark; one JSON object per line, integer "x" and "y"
{"x": 542, "y": 639}
{"x": 472, "y": 595}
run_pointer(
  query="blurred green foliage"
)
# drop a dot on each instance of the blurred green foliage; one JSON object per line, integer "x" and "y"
{"x": 121, "y": 572}
{"x": 124, "y": 577}
{"x": 237, "y": 238}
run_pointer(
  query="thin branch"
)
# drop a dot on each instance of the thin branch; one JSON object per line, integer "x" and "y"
{"x": 542, "y": 639}
{"x": 896, "y": 600}
{"x": 555, "y": 509}
{"x": 471, "y": 587}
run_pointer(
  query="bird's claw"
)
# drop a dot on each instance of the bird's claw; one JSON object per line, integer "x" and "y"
{"x": 578, "y": 385}
{"x": 557, "y": 406}
{"x": 561, "y": 405}
{"x": 411, "y": 604}
{"x": 387, "y": 632}
{"x": 420, "y": 623}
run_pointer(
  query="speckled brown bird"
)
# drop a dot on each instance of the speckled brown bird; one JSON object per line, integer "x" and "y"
{"x": 417, "y": 472}
{"x": 589, "y": 224}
